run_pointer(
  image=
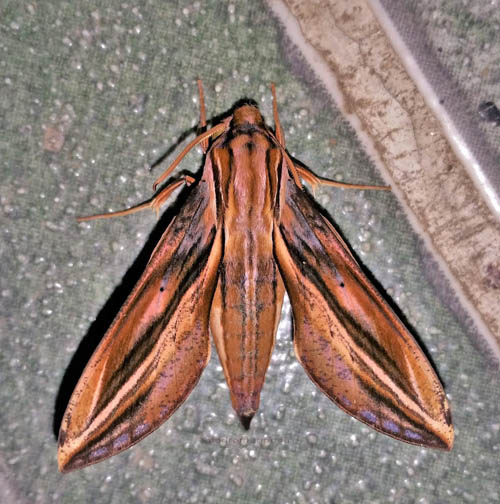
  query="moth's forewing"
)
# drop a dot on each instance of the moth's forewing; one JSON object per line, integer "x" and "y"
{"x": 154, "y": 352}
{"x": 349, "y": 341}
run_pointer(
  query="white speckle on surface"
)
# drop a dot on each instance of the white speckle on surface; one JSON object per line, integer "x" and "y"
{"x": 104, "y": 128}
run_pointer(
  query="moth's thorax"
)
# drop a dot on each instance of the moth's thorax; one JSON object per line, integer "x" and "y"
{"x": 247, "y": 114}
{"x": 246, "y": 166}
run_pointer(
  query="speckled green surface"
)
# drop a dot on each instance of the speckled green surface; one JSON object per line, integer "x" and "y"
{"x": 119, "y": 82}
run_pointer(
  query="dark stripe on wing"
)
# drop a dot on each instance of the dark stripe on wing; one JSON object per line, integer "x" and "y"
{"x": 143, "y": 347}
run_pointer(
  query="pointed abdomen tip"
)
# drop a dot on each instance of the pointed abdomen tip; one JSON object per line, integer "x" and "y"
{"x": 246, "y": 419}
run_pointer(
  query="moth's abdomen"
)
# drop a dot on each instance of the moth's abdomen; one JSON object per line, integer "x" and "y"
{"x": 247, "y": 302}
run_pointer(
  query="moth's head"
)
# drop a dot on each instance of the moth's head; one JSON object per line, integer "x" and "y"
{"x": 247, "y": 113}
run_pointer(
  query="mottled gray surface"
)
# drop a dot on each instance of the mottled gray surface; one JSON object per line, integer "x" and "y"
{"x": 116, "y": 86}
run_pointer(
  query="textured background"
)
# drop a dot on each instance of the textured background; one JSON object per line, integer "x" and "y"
{"x": 92, "y": 93}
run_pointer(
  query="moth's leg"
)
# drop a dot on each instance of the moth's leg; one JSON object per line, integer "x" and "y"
{"x": 202, "y": 138}
{"x": 279, "y": 137}
{"x": 154, "y": 203}
{"x": 165, "y": 193}
{"x": 277, "y": 125}
{"x": 212, "y": 132}
{"x": 302, "y": 172}
{"x": 315, "y": 180}
{"x": 203, "y": 116}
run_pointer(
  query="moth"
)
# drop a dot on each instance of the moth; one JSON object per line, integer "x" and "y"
{"x": 247, "y": 232}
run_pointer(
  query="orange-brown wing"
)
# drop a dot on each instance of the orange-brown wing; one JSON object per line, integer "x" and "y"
{"x": 154, "y": 352}
{"x": 349, "y": 341}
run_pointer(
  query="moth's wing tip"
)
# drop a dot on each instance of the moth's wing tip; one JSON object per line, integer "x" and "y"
{"x": 441, "y": 439}
{"x": 70, "y": 459}
{"x": 63, "y": 460}
{"x": 448, "y": 439}
{"x": 440, "y": 443}
{"x": 67, "y": 464}
{"x": 65, "y": 469}
{"x": 442, "y": 436}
